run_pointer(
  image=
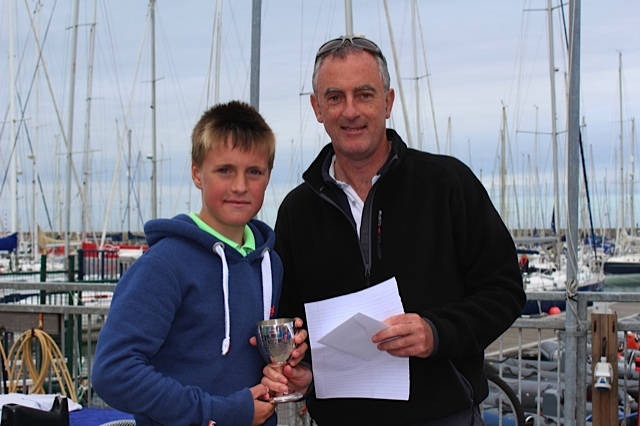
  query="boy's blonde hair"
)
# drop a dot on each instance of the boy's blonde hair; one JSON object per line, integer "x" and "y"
{"x": 236, "y": 123}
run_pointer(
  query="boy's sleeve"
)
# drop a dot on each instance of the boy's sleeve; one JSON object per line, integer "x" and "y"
{"x": 140, "y": 316}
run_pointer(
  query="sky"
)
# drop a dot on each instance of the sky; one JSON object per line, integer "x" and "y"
{"x": 465, "y": 74}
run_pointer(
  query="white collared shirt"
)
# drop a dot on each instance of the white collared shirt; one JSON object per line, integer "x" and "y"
{"x": 355, "y": 202}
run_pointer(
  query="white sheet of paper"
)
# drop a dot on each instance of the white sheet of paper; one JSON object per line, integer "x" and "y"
{"x": 339, "y": 374}
{"x": 354, "y": 336}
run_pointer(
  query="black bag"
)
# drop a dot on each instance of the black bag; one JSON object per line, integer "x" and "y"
{"x": 20, "y": 415}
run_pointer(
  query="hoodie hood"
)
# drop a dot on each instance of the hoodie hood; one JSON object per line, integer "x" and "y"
{"x": 182, "y": 226}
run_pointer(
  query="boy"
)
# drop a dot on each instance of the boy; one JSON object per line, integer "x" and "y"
{"x": 175, "y": 347}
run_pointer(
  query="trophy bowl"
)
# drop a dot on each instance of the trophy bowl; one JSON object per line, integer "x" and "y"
{"x": 275, "y": 343}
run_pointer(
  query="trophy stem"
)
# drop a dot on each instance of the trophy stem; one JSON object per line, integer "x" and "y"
{"x": 286, "y": 396}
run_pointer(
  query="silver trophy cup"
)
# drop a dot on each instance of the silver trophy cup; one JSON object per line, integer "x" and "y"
{"x": 275, "y": 343}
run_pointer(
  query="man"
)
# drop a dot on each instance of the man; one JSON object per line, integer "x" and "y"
{"x": 371, "y": 209}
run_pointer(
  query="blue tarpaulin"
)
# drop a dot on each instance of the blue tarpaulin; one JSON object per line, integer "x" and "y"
{"x": 9, "y": 243}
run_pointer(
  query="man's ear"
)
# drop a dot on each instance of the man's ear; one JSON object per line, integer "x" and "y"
{"x": 389, "y": 97}
{"x": 316, "y": 107}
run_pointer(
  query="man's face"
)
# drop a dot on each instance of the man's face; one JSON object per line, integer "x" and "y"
{"x": 352, "y": 104}
{"x": 233, "y": 183}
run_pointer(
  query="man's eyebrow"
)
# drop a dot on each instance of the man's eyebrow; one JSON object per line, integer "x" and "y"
{"x": 365, "y": 87}
{"x": 332, "y": 90}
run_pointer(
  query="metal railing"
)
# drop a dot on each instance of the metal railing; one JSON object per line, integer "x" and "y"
{"x": 86, "y": 265}
{"x": 536, "y": 343}
{"x": 76, "y": 311}
{"x": 72, "y": 313}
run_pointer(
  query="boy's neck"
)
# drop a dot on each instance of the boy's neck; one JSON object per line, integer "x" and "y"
{"x": 235, "y": 234}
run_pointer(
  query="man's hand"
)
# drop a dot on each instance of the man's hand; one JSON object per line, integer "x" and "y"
{"x": 407, "y": 335}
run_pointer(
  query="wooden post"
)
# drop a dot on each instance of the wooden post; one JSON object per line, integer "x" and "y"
{"x": 604, "y": 342}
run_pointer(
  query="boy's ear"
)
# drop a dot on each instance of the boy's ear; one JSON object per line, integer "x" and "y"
{"x": 195, "y": 176}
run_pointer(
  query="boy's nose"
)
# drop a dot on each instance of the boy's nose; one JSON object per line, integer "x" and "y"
{"x": 239, "y": 183}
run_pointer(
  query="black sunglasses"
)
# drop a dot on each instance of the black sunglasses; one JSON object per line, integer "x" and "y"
{"x": 361, "y": 42}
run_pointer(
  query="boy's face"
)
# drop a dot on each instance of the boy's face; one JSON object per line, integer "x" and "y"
{"x": 233, "y": 183}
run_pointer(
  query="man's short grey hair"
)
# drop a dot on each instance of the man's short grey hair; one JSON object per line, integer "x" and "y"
{"x": 349, "y": 49}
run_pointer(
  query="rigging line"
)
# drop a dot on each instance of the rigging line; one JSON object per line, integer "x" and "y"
{"x": 518, "y": 70}
{"x": 111, "y": 50}
{"x": 214, "y": 29}
{"x": 428, "y": 75}
{"x": 302, "y": 114}
{"x": 26, "y": 129}
{"x": 304, "y": 110}
{"x": 513, "y": 169}
{"x": 580, "y": 144}
{"x": 126, "y": 110}
{"x": 44, "y": 68}
{"x": 15, "y": 142}
{"x": 518, "y": 113}
{"x": 136, "y": 197}
{"x": 129, "y": 106}
{"x": 173, "y": 70}
{"x": 31, "y": 84}
{"x": 86, "y": 216}
{"x": 242, "y": 42}
{"x": 182, "y": 107}
{"x": 111, "y": 192}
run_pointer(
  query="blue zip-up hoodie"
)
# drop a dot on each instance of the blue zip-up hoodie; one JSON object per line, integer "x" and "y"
{"x": 175, "y": 349}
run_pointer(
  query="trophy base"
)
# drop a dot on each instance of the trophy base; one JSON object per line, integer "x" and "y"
{"x": 290, "y": 397}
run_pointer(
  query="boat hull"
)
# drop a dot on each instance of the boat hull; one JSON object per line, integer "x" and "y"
{"x": 621, "y": 268}
{"x": 536, "y": 307}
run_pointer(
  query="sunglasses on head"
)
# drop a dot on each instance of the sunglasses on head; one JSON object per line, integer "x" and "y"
{"x": 337, "y": 43}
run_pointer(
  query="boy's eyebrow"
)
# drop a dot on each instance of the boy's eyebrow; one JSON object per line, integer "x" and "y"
{"x": 233, "y": 165}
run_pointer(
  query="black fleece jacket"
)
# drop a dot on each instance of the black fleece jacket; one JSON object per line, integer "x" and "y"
{"x": 429, "y": 222}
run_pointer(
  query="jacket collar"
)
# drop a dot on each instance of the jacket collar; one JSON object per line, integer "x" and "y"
{"x": 317, "y": 175}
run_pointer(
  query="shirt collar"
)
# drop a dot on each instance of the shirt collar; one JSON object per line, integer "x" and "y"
{"x": 248, "y": 237}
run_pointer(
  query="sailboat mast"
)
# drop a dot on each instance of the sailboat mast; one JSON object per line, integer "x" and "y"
{"x": 13, "y": 170}
{"x": 129, "y": 185}
{"x": 398, "y": 76}
{"x": 621, "y": 224}
{"x": 348, "y": 17}
{"x": 256, "y": 24}
{"x": 632, "y": 217}
{"x": 72, "y": 86}
{"x": 87, "y": 128}
{"x": 154, "y": 176}
{"x": 503, "y": 166}
{"x": 554, "y": 130}
{"x": 572, "y": 408}
{"x": 218, "y": 36}
{"x": 34, "y": 154}
{"x": 415, "y": 71}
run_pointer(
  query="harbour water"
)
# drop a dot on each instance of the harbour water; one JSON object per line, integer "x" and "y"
{"x": 628, "y": 283}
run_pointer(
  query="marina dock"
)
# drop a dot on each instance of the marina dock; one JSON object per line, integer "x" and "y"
{"x": 530, "y": 338}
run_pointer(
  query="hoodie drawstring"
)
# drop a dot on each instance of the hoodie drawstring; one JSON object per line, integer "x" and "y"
{"x": 267, "y": 283}
{"x": 267, "y": 290}
{"x": 219, "y": 248}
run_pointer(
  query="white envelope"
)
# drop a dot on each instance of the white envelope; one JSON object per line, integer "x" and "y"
{"x": 354, "y": 337}
{"x": 342, "y": 367}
